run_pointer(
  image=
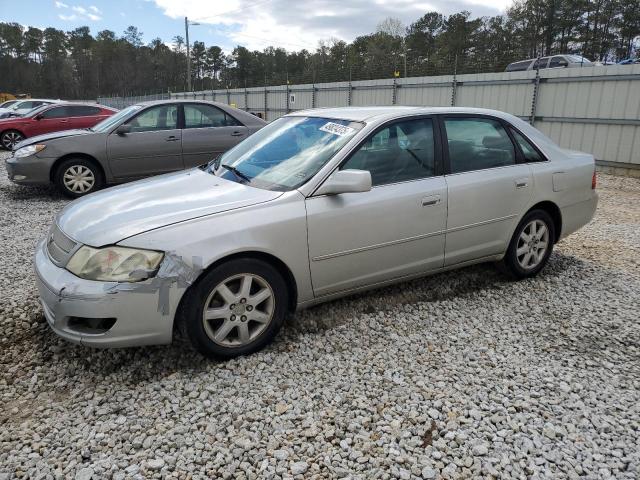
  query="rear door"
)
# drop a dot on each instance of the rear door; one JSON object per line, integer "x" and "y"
{"x": 83, "y": 116}
{"x": 488, "y": 186}
{"x": 208, "y": 132}
{"x": 152, "y": 147}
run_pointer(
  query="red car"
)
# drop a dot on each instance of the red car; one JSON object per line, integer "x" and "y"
{"x": 51, "y": 118}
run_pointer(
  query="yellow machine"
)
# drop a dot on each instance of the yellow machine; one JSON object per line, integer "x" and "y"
{"x": 7, "y": 96}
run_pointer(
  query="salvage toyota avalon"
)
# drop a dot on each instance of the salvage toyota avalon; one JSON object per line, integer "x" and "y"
{"x": 316, "y": 205}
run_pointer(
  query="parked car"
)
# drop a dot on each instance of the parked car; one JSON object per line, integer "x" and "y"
{"x": 555, "y": 61}
{"x": 139, "y": 141}
{"x": 56, "y": 117}
{"x": 629, "y": 61}
{"x": 8, "y": 103}
{"x": 21, "y": 107}
{"x": 316, "y": 205}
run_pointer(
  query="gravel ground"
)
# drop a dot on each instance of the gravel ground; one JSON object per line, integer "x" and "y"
{"x": 459, "y": 375}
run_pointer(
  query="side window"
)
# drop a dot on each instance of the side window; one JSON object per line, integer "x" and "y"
{"x": 477, "y": 143}
{"x": 204, "y": 116}
{"x": 541, "y": 63}
{"x": 400, "y": 152}
{"x": 558, "y": 62}
{"x": 529, "y": 152}
{"x": 518, "y": 66}
{"x": 83, "y": 111}
{"x": 162, "y": 117}
{"x": 57, "y": 112}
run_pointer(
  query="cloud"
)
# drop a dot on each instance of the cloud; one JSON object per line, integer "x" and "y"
{"x": 296, "y": 25}
{"x": 81, "y": 13}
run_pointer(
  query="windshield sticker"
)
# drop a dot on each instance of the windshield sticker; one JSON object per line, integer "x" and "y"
{"x": 337, "y": 129}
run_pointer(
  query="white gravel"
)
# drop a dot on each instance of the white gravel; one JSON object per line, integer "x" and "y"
{"x": 458, "y": 375}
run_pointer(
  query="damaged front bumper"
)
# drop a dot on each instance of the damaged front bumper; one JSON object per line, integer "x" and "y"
{"x": 106, "y": 314}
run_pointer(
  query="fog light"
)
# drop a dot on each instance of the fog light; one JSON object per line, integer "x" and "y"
{"x": 19, "y": 177}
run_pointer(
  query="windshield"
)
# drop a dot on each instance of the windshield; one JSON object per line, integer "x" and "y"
{"x": 115, "y": 119}
{"x": 16, "y": 106}
{"x": 286, "y": 153}
{"x": 34, "y": 111}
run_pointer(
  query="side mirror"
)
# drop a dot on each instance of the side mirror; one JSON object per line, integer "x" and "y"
{"x": 123, "y": 129}
{"x": 346, "y": 181}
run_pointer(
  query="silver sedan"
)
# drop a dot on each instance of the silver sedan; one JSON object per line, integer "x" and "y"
{"x": 317, "y": 205}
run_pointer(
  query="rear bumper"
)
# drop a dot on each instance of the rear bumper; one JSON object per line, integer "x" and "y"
{"x": 577, "y": 215}
{"x": 29, "y": 170}
{"x": 142, "y": 316}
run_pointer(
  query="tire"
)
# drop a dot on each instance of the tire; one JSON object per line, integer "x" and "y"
{"x": 76, "y": 177}
{"x": 235, "y": 325}
{"x": 524, "y": 260}
{"x": 9, "y": 138}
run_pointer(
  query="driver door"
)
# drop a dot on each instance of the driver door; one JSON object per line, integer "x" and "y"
{"x": 395, "y": 229}
{"x": 153, "y": 146}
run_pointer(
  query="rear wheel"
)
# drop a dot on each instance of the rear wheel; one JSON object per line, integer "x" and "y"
{"x": 530, "y": 246}
{"x": 10, "y": 138}
{"x": 236, "y": 309}
{"x": 76, "y": 177}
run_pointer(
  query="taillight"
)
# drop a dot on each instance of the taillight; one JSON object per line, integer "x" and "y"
{"x": 594, "y": 180}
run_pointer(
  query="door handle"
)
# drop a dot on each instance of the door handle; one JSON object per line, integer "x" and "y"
{"x": 431, "y": 200}
{"x": 237, "y": 134}
{"x": 522, "y": 182}
{"x": 172, "y": 138}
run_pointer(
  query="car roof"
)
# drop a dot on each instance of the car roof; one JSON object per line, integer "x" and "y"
{"x": 367, "y": 114}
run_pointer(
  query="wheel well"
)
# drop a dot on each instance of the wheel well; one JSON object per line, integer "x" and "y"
{"x": 553, "y": 210}
{"x": 275, "y": 262}
{"x": 84, "y": 156}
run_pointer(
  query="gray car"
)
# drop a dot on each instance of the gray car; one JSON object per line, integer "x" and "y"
{"x": 141, "y": 140}
{"x": 317, "y": 205}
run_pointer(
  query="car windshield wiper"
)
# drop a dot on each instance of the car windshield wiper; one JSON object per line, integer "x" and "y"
{"x": 237, "y": 172}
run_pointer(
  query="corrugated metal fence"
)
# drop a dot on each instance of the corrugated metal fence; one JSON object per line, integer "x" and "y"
{"x": 594, "y": 109}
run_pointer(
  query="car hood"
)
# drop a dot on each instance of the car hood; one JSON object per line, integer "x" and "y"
{"x": 110, "y": 216}
{"x": 52, "y": 136}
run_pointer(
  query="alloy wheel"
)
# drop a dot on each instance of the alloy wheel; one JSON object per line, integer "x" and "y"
{"x": 238, "y": 310}
{"x": 10, "y": 139}
{"x": 533, "y": 244}
{"x": 79, "y": 179}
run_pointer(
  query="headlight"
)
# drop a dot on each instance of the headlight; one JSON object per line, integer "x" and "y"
{"x": 27, "y": 151}
{"x": 114, "y": 264}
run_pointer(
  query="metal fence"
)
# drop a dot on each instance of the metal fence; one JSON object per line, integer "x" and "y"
{"x": 594, "y": 109}
{"x": 123, "y": 102}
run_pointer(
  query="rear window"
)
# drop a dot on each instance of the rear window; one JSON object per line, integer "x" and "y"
{"x": 518, "y": 66}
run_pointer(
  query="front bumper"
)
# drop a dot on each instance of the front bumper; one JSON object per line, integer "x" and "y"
{"x": 31, "y": 170}
{"x": 143, "y": 315}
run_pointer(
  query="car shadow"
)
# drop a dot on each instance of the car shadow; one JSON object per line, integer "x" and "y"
{"x": 33, "y": 192}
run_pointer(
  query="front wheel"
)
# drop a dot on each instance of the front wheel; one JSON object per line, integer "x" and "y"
{"x": 530, "y": 246}
{"x": 10, "y": 138}
{"x": 236, "y": 309}
{"x": 76, "y": 177}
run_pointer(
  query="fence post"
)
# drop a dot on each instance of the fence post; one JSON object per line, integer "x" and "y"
{"x": 286, "y": 90}
{"x": 394, "y": 94}
{"x": 534, "y": 98}
{"x": 454, "y": 84}
{"x": 266, "y": 95}
{"x": 246, "y": 98}
{"x": 228, "y": 96}
{"x": 313, "y": 95}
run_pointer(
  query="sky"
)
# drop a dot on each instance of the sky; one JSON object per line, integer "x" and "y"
{"x": 254, "y": 24}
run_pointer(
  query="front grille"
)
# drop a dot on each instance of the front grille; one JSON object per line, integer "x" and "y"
{"x": 59, "y": 246}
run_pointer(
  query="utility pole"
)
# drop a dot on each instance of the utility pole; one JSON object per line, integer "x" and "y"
{"x": 186, "y": 30}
